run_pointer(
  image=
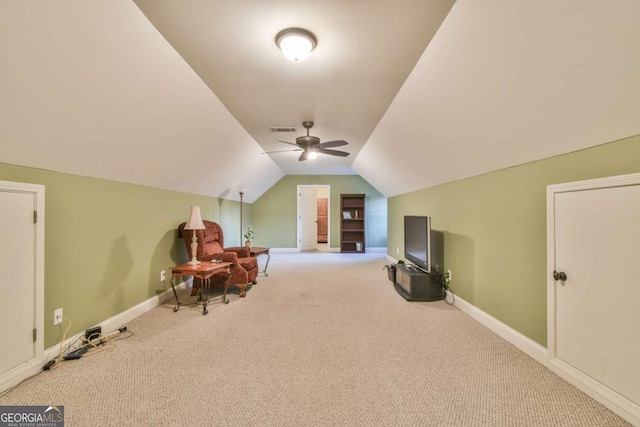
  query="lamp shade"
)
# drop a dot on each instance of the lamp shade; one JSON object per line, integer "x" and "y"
{"x": 296, "y": 43}
{"x": 195, "y": 220}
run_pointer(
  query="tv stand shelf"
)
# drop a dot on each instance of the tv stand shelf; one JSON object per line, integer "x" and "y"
{"x": 416, "y": 285}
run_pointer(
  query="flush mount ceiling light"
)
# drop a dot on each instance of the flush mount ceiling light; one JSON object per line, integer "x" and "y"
{"x": 296, "y": 43}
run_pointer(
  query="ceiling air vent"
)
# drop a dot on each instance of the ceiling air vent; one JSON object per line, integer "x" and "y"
{"x": 286, "y": 129}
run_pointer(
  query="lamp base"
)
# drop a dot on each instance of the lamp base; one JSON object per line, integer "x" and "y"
{"x": 194, "y": 250}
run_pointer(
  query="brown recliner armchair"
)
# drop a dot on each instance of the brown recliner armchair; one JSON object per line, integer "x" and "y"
{"x": 211, "y": 246}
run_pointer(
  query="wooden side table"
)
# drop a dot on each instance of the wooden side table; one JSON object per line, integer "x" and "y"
{"x": 202, "y": 271}
{"x": 256, "y": 252}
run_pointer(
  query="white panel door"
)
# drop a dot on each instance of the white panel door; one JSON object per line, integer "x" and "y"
{"x": 308, "y": 219}
{"x": 597, "y": 307}
{"x": 22, "y": 284}
{"x": 18, "y": 284}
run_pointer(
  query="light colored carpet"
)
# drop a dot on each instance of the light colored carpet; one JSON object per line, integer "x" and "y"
{"x": 324, "y": 340}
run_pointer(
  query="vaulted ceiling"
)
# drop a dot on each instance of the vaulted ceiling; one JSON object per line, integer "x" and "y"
{"x": 181, "y": 95}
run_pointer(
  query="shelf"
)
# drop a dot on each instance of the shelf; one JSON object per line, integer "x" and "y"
{"x": 352, "y": 228}
{"x": 350, "y": 204}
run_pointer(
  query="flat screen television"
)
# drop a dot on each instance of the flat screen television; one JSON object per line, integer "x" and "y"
{"x": 417, "y": 241}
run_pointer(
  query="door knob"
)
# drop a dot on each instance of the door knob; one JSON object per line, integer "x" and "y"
{"x": 560, "y": 276}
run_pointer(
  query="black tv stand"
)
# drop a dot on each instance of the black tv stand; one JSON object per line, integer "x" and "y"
{"x": 414, "y": 284}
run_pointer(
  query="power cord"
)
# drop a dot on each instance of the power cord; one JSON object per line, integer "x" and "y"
{"x": 448, "y": 291}
{"x": 94, "y": 343}
{"x": 59, "y": 358}
{"x": 446, "y": 280}
{"x": 64, "y": 338}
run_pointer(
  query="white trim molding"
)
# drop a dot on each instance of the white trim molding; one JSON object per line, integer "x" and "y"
{"x": 523, "y": 343}
{"x": 32, "y": 366}
{"x": 617, "y": 403}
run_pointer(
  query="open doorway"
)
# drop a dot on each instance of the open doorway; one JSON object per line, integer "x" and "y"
{"x": 313, "y": 217}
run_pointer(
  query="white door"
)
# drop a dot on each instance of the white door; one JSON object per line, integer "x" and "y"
{"x": 308, "y": 219}
{"x": 20, "y": 288}
{"x": 596, "y": 312}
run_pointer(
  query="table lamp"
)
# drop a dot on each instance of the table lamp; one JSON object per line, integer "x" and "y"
{"x": 194, "y": 223}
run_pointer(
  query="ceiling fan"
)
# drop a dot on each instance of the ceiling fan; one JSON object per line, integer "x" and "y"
{"x": 311, "y": 145}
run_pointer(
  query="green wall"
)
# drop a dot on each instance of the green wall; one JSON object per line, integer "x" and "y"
{"x": 495, "y": 229}
{"x": 274, "y": 213}
{"x": 106, "y": 242}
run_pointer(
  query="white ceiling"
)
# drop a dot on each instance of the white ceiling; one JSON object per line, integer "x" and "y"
{"x": 181, "y": 96}
{"x": 365, "y": 51}
{"x": 509, "y": 82}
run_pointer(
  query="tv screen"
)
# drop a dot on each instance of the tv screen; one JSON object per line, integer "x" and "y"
{"x": 417, "y": 241}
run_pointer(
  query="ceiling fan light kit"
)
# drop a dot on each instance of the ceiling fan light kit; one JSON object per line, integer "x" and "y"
{"x": 311, "y": 146}
{"x": 296, "y": 43}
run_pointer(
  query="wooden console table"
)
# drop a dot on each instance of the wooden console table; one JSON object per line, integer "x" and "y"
{"x": 256, "y": 252}
{"x": 202, "y": 271}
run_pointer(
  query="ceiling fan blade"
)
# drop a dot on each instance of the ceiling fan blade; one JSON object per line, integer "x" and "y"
{"x": 330, "y": 144}
{"x": 333, "y": 152}
{"x": 282, "y": 151}
{"x": 304, "y": 156}
{"x": 287, "y": 142}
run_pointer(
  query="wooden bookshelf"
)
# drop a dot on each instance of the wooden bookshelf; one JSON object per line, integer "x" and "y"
{"x": 352, "y": 223}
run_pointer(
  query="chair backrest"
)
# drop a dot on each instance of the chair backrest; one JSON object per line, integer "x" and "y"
{"x": 210, "y": 240}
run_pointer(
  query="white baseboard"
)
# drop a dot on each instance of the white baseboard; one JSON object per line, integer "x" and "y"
{"x": 619, "y": 404}
{"x": 525, "y": 344}
{"x": 119, "y": 320}
{"x": 616, "y": 403}
{"x": 16, "y": 376}
{"x": 331, "y": 249}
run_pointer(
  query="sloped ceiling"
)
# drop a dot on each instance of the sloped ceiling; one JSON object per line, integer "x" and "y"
{"x": 91, "y": 88}
{"x": 101, "y": 89}
{"x": 365, "y": 51}
{"x": 509, "y": 82}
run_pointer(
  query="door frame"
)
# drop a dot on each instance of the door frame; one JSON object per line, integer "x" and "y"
{"x": 33, "y": 366}
{"x": 298, "y": 213}
{"x": 603, "y": 394}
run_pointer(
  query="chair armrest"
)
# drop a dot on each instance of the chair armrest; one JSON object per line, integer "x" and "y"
{"x": 241, "y": 251}
{"x": 226, "y": 257}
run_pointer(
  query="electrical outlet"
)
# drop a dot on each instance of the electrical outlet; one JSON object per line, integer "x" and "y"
{"x": 449, "y": 273}
{"x": 397, "y": 250}
{"x": 163, "y": 275}
{"x": 57, "y": 316}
